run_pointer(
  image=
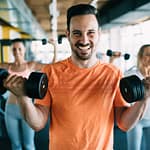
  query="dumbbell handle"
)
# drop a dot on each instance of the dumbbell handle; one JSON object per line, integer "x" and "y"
{"x": 113, "y": 53}
{"x": 35, "y": 86}
{"x": 117, "y": 53}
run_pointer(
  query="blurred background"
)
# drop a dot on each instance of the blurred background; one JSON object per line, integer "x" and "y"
{"x": 125, "y": 28}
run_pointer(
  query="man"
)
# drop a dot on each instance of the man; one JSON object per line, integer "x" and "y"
{"x": 83, "y": 96}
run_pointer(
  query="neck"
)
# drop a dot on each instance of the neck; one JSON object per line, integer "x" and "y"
{"x": 19, "y": 62}
{"x": 84, "y": 63}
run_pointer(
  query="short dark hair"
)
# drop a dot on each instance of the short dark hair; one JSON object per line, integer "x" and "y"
{"x": 18, "y": 40}
{"x": 81, "y": 9}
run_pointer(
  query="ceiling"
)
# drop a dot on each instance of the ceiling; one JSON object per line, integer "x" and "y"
{"x": 32, "y": 17}
{"x": 40, "y": 9}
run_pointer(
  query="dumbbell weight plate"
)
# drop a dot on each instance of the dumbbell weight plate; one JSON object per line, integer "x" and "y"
{"x": 36, "y": 85}
{"x": 3, "y": 75}
{"x": 126, "y": 56}
{"x": 132, "y": 88}
{"x": 109, "y": 53}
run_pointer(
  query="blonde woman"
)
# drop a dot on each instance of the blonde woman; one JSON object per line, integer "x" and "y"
{"x": 142, "y": 70}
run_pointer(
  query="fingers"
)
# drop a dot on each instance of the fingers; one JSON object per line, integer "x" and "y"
{"x": 146, "y": 82}
{"x": 15, "y": 84}
{"x": 146, "y": 66}
{"x": 147, "y": 71}
{"x": 11, "y": 81}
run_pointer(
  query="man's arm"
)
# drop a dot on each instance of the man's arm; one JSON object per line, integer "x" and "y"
{"x": 35, "y": 115}
{"x": 128, "y": 117}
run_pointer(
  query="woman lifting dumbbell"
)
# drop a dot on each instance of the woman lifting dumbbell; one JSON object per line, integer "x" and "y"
{"x": 19, "y": 132}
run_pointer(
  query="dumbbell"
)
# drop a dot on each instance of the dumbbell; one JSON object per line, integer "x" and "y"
{"x": 132, "y": 88}
{"x": 35, "y": 86}
{"x": 117, "y": 53}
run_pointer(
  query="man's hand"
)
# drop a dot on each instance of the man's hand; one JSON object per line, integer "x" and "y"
{"x": 15, "y": 84}
{"x": 146, "y": 82}
{"x": 147, "y": 71}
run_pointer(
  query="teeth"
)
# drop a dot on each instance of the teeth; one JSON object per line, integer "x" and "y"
{"x": 84, "y": 48}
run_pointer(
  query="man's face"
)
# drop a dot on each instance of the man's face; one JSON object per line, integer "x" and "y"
{"x": 83, "y": 36}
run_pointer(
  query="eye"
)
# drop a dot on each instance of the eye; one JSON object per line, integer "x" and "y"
{"x": 76, "y": 33}
{"x": 14, "y": 49}
{"x": 91, "y": 33}
{"x": 20, "y": 49}
{"x": 147, "y": 55}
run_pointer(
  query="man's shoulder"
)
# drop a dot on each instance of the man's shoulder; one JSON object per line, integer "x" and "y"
{"x": 109, "y": 69}
{"x": 109, "y": 66}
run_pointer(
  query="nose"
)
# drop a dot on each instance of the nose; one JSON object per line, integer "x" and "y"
{"x": 17, "y": 50}
{"x": 84, "y": 38}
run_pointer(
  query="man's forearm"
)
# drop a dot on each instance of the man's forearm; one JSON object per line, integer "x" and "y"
{"x": 34, "y": 115}
{"x": 130, "y": 116}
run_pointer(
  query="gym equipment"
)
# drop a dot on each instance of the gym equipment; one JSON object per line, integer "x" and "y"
{"x": 117, "y": 53}
{"x": 132, "y": 88}
{"x": 35, "y": 86}
{"x": 3, "y": 75}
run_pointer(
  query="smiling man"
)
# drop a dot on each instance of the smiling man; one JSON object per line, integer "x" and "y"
{"x": 83, "y": 96}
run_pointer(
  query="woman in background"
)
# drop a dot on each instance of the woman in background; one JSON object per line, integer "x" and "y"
{"x": 19, "y": 132}
{"x": 136, "y": 135}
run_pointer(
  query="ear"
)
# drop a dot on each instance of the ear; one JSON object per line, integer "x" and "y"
{"x": 68, "y": 34}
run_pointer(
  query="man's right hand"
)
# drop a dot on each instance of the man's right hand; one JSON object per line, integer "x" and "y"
{"x": 15, "y": 84}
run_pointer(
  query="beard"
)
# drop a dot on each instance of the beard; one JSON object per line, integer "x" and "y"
{"x": 82, "y": 51}
{"x": 83, "y": 57}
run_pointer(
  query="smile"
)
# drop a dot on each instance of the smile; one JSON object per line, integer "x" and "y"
{"x": 83, "y": 47}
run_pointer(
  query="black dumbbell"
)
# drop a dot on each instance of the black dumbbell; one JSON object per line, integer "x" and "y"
{"x": 132, "y": 88}
{"x": 117, "y": 53}
{"x": 35, "y": 86}
{"x": 3, "y": 75}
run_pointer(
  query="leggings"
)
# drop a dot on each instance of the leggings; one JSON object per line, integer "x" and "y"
{"x": 136, "y": 135}
{"x": 19, "y": 132}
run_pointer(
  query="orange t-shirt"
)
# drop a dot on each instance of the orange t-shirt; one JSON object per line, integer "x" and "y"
{"x": 82, "y": 102}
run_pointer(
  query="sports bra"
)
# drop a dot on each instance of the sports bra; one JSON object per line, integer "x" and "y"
{"x": 25, "y": 73}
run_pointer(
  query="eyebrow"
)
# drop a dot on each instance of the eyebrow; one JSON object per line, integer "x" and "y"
{"x": 90, "y": 30}
{"x": 74, "y": 31}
